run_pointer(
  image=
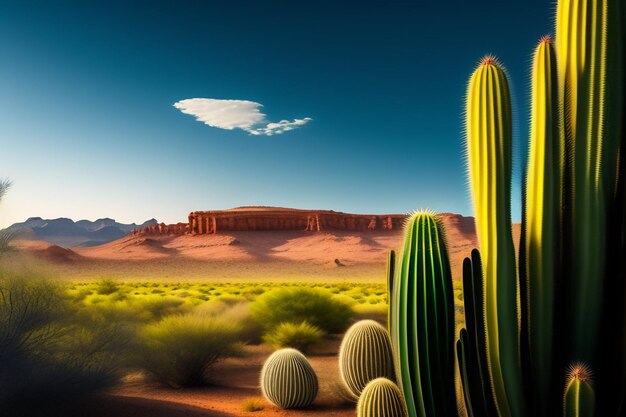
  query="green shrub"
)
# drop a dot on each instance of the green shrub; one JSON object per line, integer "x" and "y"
{"x": 302, "y": 336}
{"x": 251, "y": 331}
{"x": 48, "y": 355}
{"x": 299, "y": 304}
{"x": 180, "y": 350}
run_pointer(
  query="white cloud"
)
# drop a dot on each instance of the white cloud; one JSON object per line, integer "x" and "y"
{"x": 236, "y": 114}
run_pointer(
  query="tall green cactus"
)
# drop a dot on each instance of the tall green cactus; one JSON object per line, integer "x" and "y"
{"x": 471, "y": 346}
{"x": 579, "y": 399}
{"x": 590, "y": 166}
{"x": 288, "y": 380}
{"x": 364, "y": 355}
{"x": 541, "y": 237}
{"x": 422, "y": 320}
{"x": 489, "y": 149}
{"x": 611, "y": 367}
{"x": 381, "y": 398}
{"x": 391, "y": 270}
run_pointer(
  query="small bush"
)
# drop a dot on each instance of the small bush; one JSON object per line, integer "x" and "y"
{"x": 107, "y": 286}
{"x": 180, "y": 350}
{"x": 300, "y": 304}
{"x": 253, "y": 404}
{"x": 302, "y": 336}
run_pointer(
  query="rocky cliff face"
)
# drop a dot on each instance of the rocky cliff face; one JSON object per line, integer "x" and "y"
{"x": 277, "y": 219}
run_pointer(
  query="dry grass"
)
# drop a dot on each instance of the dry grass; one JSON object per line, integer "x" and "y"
{"x": 253, "y": 404}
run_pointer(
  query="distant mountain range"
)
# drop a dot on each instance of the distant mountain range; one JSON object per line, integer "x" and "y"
{"x": 67, "y": 233}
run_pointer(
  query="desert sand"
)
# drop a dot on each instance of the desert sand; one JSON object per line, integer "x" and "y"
{"x": 234, "y": 380}
{"x": 247, "y": 255}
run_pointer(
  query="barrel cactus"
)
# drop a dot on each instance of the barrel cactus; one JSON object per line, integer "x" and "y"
{"x": 288, "y": 380}
{"x": 381, "y": 398}
{"x": 579, "y": 399}
{"x": 365, "y": 354}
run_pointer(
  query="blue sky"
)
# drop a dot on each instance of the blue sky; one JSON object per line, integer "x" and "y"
{"x": 88, "y": 126}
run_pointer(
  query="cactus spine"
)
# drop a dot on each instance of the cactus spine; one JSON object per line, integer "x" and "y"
{"x": 422, "y": 320}
{"x": 579, "y": 398}
{"x": 489, "y": 148}
{"x": 590, "y": 161}
{"x": 288, "y": 380}
{"x": 365, "y": 354}
{"x": 381, "y": 398}
{"x": 542, "y": 219}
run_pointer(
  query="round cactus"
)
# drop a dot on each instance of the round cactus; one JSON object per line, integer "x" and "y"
{"x": 365, "y": 354}
{"x": 288, "y": 380}
{"x": 381, "y": 398}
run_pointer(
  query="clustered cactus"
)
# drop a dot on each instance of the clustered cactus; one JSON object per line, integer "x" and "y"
{"x": 528, "y": 316}
{"x": 561, "y": 299}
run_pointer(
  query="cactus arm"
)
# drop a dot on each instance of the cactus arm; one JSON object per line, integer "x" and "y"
{"x": 466, "y": 373}
{"x": 473, "y": 340}
{"x": 590, "y": 166}
{"x": 542, "y": 219}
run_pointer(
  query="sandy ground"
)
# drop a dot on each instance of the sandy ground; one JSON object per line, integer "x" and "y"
{"x": 245, "y": 256}
{"x": 234, "y": 380}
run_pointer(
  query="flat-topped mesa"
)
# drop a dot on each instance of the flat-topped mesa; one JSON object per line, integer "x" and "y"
{"x": 267, "y": 218}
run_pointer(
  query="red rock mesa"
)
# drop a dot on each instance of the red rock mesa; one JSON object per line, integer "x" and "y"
{"x": 278, "y": 219}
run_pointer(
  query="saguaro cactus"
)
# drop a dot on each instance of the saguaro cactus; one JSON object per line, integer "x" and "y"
{"x": 422, "y": 320}
{"x": 288, "y": 380}
{"x": 365, "y": 354}
{"x": 381, "y": 398}
{"x": 579, "y": 399}
{"x": 489, "y": 150}
{"x": 542, "y": 219}
{"x": 591, "y": 165}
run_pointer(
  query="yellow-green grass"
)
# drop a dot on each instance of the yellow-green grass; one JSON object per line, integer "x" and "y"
{"x": 153, "y": 299}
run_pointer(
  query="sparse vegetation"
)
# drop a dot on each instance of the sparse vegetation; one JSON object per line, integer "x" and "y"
{"x": 50, "y": 353}
{"x": 298, "y": 304}
{"x": 253, "y": 404}
{"x": 180, "y": 350}
{"x": 302, "y": 336}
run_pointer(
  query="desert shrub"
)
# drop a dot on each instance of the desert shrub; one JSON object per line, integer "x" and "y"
{"x": 180, "y": 350}
{"x": 315, "y": 306}
{"x": 302, "y": 336}
{"x": 253, "y": 404}
{"x": 107, "y": 286}
{"x": 239, "y": 312}
{"x": 47, "y": 355}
